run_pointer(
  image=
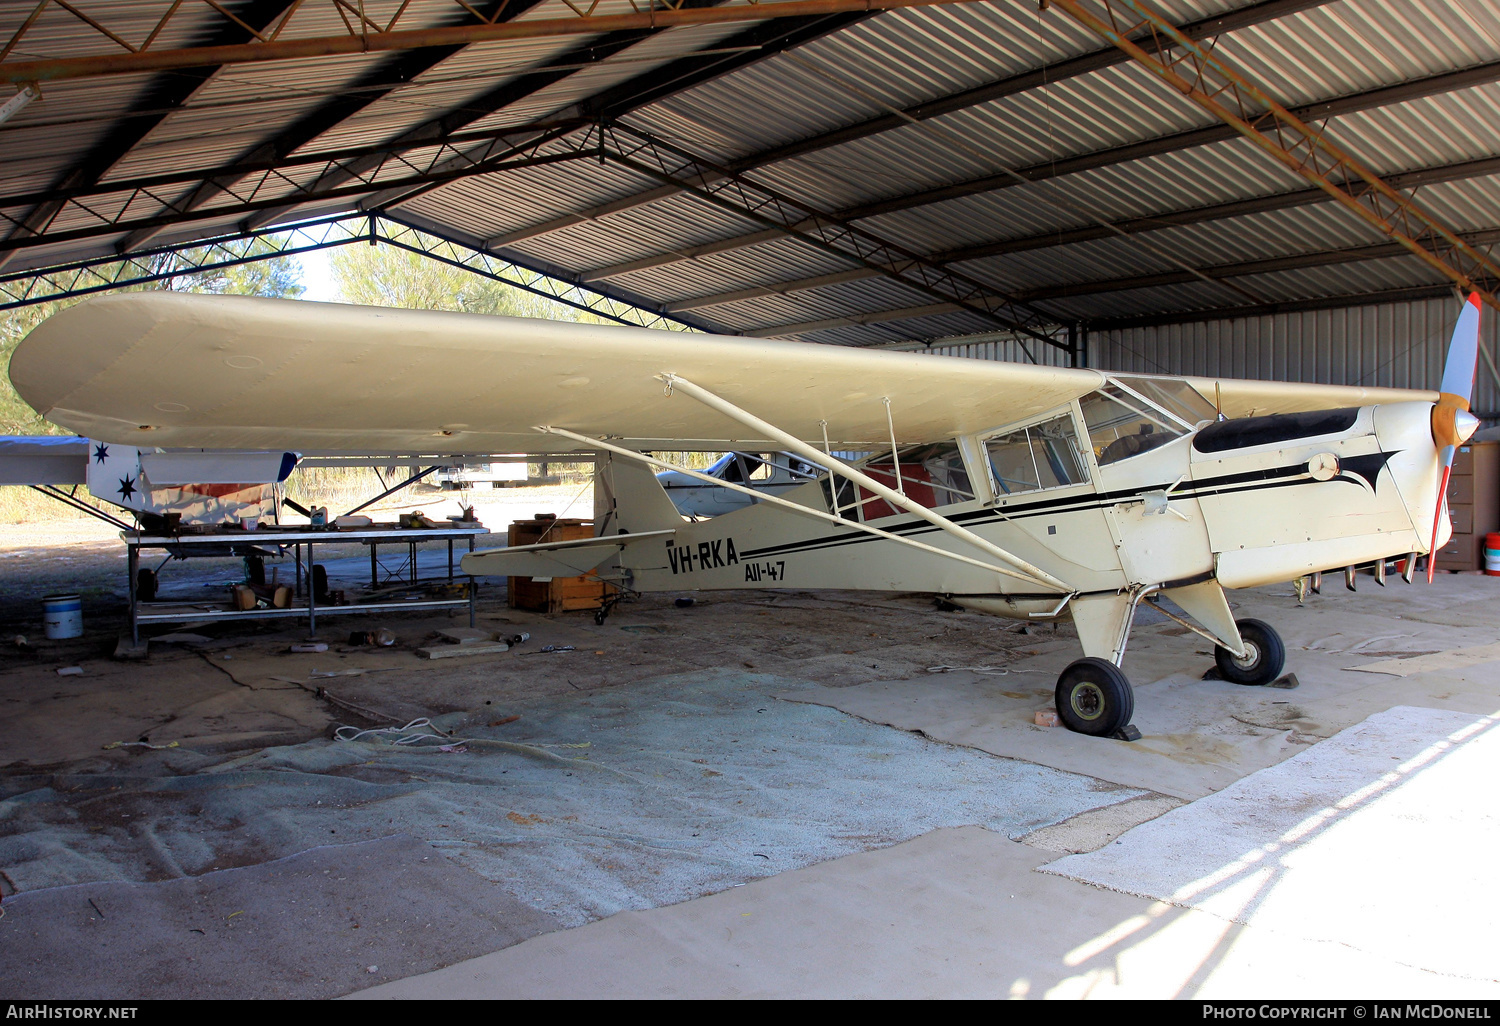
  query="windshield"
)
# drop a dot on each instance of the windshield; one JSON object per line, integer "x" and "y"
{"x": 1121, "y": 426}
{"x": 1178, "y": 398}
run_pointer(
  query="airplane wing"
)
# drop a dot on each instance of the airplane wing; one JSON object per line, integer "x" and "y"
{"x": 174, "y": 369}
{"x": 569, "y": 558}
{"x": 167, "y": 369}
{"x": 1248, "y": 398}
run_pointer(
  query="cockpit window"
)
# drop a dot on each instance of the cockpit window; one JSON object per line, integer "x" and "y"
{"x": 1044, "y": 455}
{"x": 1178, "y": 398}
{"x": 1120, "y": 426}
{"x": 932, "y": 475}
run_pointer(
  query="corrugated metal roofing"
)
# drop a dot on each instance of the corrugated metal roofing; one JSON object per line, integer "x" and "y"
{"x": 719, "y": 95}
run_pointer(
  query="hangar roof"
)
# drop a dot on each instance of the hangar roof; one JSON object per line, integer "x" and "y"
{"x": 845, "y": 175}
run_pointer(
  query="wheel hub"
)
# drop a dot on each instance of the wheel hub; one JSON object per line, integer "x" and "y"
{"x": 1252, "y": 656}
{"x": 1087, "y": 700}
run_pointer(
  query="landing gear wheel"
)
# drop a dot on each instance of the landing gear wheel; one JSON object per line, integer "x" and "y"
{"x": 1264, "y": 660}
{"x": 1094, "y": 697}
{"x": 605, "y": 608}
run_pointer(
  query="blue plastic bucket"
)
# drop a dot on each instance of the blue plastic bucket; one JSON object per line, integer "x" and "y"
{"x": 62, "y": 616}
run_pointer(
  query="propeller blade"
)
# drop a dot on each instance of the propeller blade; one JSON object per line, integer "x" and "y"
{"x": 1463, "y": 353}
{"x": 1437, "y": 518}
{"x": 1452, "y": 423}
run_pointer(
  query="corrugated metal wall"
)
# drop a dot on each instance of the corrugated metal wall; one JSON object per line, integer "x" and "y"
{"x": 1003, "y": 350}
{"x": 1395, "y": 344}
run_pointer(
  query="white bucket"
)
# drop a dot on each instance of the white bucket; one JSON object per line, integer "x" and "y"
{"x": 62, "y": 616}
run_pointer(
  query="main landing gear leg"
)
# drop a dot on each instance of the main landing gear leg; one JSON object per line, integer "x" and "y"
{"x": 1093, "y": 695}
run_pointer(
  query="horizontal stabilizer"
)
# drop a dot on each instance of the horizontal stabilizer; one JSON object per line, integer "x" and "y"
{"x": 43, "y": 460}
{"x": 551, "y": 559}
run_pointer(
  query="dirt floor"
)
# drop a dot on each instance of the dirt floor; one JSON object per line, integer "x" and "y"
{"x": 190, "y": 824}
{"x": 94, "y": 765}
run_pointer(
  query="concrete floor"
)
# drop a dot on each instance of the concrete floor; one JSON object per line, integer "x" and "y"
{"x": 120, "y": 865}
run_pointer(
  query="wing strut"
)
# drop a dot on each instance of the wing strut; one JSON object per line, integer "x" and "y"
{"x": 838, "y": 466}
{"x": 777, "y": 500}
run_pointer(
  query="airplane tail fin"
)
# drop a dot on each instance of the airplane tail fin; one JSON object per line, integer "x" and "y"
{"x": 628, "y": 499}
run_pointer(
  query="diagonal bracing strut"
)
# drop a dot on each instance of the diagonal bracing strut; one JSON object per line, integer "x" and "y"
{"x": 794, "y": 444}
{"x": 1201, "y": 75}
{"x": 777, "y": 500}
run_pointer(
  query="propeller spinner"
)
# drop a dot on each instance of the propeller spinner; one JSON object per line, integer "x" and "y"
{"x": 1452, "y": 423}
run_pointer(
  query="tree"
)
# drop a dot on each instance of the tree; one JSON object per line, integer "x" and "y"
{"x": 392, "y": 276}
{"x": 278, "y": 277}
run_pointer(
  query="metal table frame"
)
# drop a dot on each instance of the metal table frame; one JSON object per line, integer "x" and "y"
{"x": 178, "y": 545}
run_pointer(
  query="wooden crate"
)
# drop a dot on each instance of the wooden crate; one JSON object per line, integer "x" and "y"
{"x": 560, "y": 594}
{"x": 1473, "y": 504}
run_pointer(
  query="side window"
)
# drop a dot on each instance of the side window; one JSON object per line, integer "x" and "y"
{"x": 1011, "y": 463}
{"x": 932, "y": 475}
{"x": 760, "y": 466}
{"x": 1044, "y": 455}
{"x": 944, "y": 467}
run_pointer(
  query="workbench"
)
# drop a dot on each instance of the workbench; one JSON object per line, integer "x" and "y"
{"x": 239, "y": 542}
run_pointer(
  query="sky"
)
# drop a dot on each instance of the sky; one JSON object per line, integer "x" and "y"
{"x": 317, "y": 276}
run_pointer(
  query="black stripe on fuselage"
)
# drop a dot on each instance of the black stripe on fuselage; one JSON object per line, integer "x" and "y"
{"x": 1274, "y": 477}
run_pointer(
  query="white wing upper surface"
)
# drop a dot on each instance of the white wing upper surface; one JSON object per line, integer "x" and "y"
{"x": 168, "y": 369}
{"x": 1249, "y": 398}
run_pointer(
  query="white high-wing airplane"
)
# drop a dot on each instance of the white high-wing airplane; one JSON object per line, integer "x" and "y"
{"x": 1026, "y": 491}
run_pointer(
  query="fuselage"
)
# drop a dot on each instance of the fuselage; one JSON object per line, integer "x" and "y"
{"x": 1247, "y": 502}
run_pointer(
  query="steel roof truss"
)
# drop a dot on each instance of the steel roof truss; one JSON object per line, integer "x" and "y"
{"x": 1207, "y": 80}
{"x": 395, "y": 73}
{"x": 671, "y": 13}
{"x": 163, "y": 95}
{"x": 101, "y": 274}
{"x": 1267, "y": 265}
{"x": 393, "y": 169}
{"x": 1213, "y": 212}
{"x": 556, "y": 69}
{"x": 1105, "y": 158}
{"x": 650, "y": 156}
{"x": 1245, "y": 17}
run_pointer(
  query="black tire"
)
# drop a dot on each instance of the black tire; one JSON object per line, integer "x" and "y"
{"x": 1094, "y": 697}
{"x": 145, "y": 585}
{"x": 1267, "y": 656}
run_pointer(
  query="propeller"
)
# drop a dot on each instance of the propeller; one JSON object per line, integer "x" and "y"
{"x": 1452, "y": 423}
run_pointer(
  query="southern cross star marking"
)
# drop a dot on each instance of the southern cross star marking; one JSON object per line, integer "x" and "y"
{"x": 127, "y": 487}
{"x": 101, "y": 453}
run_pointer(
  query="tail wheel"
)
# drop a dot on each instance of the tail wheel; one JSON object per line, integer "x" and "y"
{"x": 1094, "y": 697}
{"x": 1265, "y": 655}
